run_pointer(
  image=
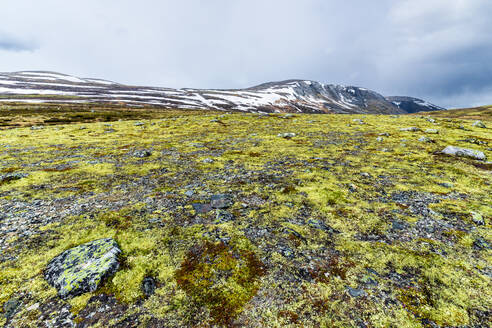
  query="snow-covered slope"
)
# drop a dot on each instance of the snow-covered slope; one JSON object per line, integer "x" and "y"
{"x": 413, "y": 105}
{"x": 285, "y": 96}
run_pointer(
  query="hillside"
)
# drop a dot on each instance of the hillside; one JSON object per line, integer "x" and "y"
{"x": 285, "y": 96}
{"x": 242, "y": 220}
{"x": 476, "y": 113}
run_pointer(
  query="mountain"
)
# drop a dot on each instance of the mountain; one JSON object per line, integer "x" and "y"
{"x": 413, "y": 105}
{"x": 285, "y": 96}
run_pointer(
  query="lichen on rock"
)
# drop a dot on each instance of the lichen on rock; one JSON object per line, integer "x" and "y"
{"x": 81, "y": 269}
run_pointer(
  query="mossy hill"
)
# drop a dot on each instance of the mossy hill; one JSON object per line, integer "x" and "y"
{"x": 350, "y": 222}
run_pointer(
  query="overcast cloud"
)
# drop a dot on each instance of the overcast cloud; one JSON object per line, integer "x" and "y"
{"x": 439, "y": 50}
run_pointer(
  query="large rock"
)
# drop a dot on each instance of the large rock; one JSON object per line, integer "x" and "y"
{"x": 81, "y": 269}
{"x": 464, "y": 152}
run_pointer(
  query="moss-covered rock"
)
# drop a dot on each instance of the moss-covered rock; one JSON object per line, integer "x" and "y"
{"x": 81, "y": 269}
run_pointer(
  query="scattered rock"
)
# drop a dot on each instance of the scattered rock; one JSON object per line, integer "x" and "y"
{"x": 431, "y": 120}
{"x": 464, "y": 152}
{"x": 11, "y": 307}
{"x": 352, "y": 187}
{"x": 379, "y": 139}
{"x": 148, "y": 286}
{"x": 475, "y": 141}
{"x": 221, "y": 201}
{"x": 358, "y": 120}
{"x": 398, "y": 225}
{"x": 33, "y": 307}
{"x": 384, "y": 134}
{"x": 139, "y": 124}
{"x": 317, "y": 224}
{"x": 410, "y": 129}
{"x": 189, "y": 193}
{"x": 142, "y": 153}
{"x": 12, "y": 177}
{"x": 480, "y": 244}
{"x": 208, "y": 161}
{"x": 223, "y": 216}
{"x": 81, "y": 269}
{"x": 479, "y": 124}
{"x": 432, "y": 131}
{"x": 477, "y": 218}
{"x": 201, "y": 208}
{"x": 354, "y": 292}
{"x": 287, "y": 135}
{"x": 425, "y": 139}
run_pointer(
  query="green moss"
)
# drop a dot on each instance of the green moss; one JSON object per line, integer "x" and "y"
{"x": 279, "y": 186}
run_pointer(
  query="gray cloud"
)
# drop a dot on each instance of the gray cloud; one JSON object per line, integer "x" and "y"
{"x": 439, "y": 50}
{"x": 10, "y": 44}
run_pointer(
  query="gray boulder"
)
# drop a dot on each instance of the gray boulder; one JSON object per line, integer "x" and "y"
{"x": 464, "y": 152}
{"x": 81, "y": 269}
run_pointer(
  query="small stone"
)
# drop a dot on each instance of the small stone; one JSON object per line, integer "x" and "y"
{"x": 223, "y": 216}
{"x": 33, "y": 307}
{"x": 139, "y": 124}
{"x": 201, "y": 208}
{"x": 11, "y": 307}
{"x": 81, "y": 269}
{"x": 354, "y": 292}
{"x": 430, "y": 119}
{"x": 189, "y": 193}
{"x": 287, "y": 135}
{"x": 432, "y": 131}
{"x": 480, "y": 244}
{"x": 425, "y": 139}
{"x": 148, "y": 286}
{"x": 410, "y": 129}
{"x": 464, "y": 152}
{"x": 398, "y": 225}
{"x": 477, "y": 218}
{"x": 384, "y": 134}
{"x": 446, "y": 185}
{"x": 479, "y": 124}
{"x": 142, "y": 153}
{"x": 366, "y": 175}
{"x": 221, "y": 201}
{"x": 379, "y": 139}
{"x": 208, "y": 161}
{"x": 358, "y": 120}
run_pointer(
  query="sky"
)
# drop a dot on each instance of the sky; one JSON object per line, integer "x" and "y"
{"x": 438, "y": 50}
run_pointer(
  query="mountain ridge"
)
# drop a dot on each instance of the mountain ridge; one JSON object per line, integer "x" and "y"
{"x": 293, "y": 95}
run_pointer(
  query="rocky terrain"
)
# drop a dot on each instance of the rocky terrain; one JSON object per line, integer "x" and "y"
{"x": 172, "y": 219}
{"x": 286, "y": 96}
